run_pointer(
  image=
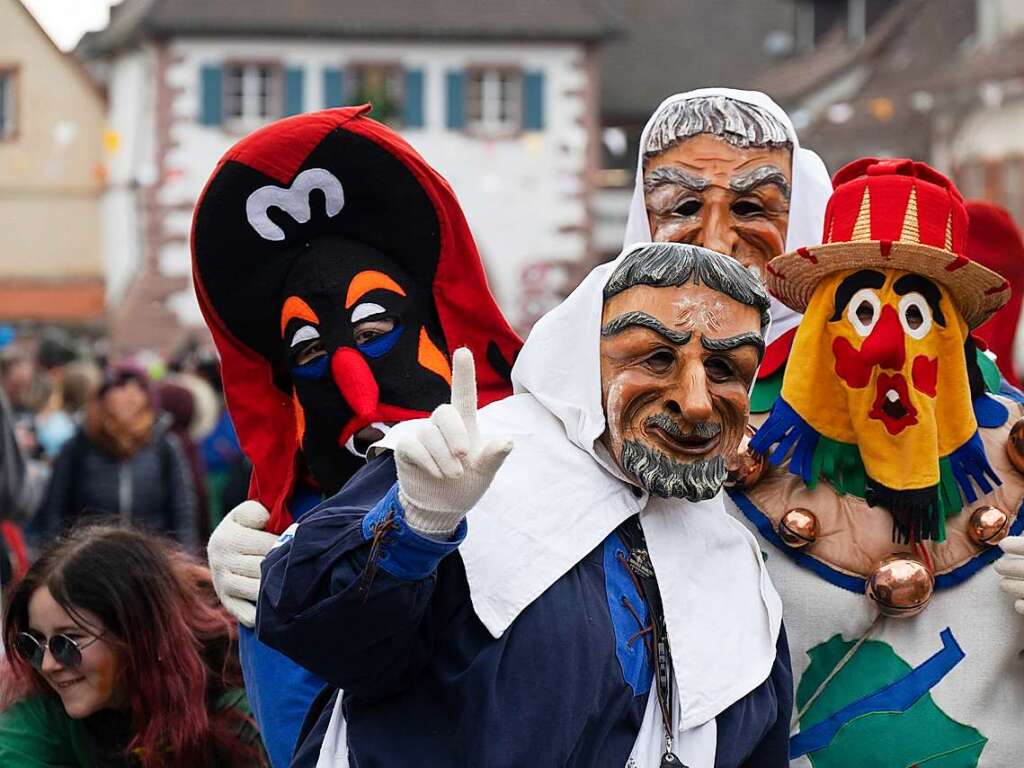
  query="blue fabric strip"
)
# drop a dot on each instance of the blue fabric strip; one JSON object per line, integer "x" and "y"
{"x": 636, "y": 666}
{"x": 406, "y": 554}
{"x": 989, "y": 412}
{"x": 1008, "y": 390}
{"x": 968, "y": 463}
{"x": 316, "y": 369}
{"x": 382, "y": 344}
{"x": 896, "y": 697}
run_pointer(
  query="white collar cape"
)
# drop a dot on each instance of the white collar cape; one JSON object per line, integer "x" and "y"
{"x": 811, "y": 189}
{"x": 556, "y": 498}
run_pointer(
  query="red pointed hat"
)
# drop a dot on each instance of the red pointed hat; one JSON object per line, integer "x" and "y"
{"x": 378, "y": 191}
{"x": 892, "y": 214}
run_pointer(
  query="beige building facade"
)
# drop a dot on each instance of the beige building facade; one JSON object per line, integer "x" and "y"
{"x": 51, "y": 178}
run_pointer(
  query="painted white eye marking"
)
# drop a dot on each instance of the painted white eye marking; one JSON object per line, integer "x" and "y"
{"x": 363, "y": 311}
{"x": 293, "y": 200}
{"x": 915, "y": 315}
{"x": 305, "y": 333}
{"x": 864, "y": 310}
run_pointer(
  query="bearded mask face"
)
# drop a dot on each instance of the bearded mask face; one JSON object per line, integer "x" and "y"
{"x": 677, "y": 363}
{"x": 363, "y": 346}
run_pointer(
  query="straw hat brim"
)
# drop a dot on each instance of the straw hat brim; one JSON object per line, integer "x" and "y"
{"x": 976, "y": 291}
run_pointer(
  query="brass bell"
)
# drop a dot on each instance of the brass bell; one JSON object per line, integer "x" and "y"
{"x": 746, "y": 468}
{"x": 798, "y": 527}
{"x": 988, "y": 525}
{"x": 900, "y": 586}
{"x": 1015, "y": 445}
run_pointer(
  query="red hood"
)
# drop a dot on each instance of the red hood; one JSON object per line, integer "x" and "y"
{"x": 238, "y": 274}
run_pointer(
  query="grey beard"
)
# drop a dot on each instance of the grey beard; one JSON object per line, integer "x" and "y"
{"x": 670, "y": 479}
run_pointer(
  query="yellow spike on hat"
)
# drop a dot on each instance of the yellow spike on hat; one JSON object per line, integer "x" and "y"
{"x": 949, "y": 232}
{"x": 862, "y": 227}
{"x": 909, "y": 232}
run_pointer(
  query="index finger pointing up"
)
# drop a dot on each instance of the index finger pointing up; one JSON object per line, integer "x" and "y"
{"x": 464, "y": 389}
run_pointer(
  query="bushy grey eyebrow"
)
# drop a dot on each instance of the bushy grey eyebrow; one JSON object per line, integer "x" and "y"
{"x": 752, "y": 338}
{"x": 669, "y": 174}
{"x": 764, "y": 174}
{"x": 643, "y": 320}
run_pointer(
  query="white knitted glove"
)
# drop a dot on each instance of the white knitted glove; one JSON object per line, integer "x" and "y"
{"x": 1011, "y": 567}
{"x": 446, "y": 465}
{"x": 236, "y": 549}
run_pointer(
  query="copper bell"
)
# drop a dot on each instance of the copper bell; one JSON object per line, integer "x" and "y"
{"x": 798, "y": 527}
{"x": 1015, "y": 445}
{"x": 900, "y": 586}
{"x": 989, "y": 525}
{"x": 746, "y": 468}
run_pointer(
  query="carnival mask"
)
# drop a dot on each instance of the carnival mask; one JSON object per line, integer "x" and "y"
{"x": 363, "y": 347}
{"x": 677, "y": 363}
{"x": 733, "y": 200}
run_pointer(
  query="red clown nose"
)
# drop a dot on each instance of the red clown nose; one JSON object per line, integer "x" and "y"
{"x": 885, "y": 346}
{"x": 355, "y": 382}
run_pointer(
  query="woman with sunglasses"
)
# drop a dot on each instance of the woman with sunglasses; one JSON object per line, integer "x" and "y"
{"x": 120, "y": 656}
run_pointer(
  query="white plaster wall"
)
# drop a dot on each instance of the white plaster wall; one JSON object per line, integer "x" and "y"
{"x": 130, "y": 166}
{"x": 989, "y": 134}
{"x": 517, "y": 193}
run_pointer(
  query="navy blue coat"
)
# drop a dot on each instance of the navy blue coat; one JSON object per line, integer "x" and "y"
{"x": 426, "y": 684}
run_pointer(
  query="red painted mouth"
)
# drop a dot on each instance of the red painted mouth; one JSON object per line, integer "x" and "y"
{"x": 892, "y": 403}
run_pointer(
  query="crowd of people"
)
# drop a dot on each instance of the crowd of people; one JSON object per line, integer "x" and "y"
{"x": 750, "y": 496}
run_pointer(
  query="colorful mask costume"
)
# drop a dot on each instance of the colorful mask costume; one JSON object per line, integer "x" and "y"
{"x": 889, "y": 475}
{"x": 336, "y": 272}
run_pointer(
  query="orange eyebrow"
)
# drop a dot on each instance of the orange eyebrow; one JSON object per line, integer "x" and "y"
{"x": 367, "y": 281}
{"x": 295, "y": 307}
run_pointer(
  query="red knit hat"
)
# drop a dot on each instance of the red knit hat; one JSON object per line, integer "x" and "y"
{"x": 893, "y": 214}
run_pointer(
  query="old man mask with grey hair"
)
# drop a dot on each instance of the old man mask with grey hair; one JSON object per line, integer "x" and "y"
{"x": 682, "y": 335}
{"x": 717, "y": 172}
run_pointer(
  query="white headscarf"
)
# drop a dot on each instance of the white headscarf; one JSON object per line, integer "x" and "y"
{"x": 811, "y": 188}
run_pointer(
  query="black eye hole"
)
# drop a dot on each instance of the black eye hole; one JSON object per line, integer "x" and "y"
{"x": 914, "y": 317}
{"x": 310, "y": 352}
{"x": 865, "y": 312}
{"x": 368, "y": 330}
{"x": 660, "y": 361}
{"x": 717, "y": 368}
{"x": 747, "y": 208}
{"x": 688, "y": 207}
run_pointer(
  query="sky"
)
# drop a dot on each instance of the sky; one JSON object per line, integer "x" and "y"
{"x": 68, "y": 20}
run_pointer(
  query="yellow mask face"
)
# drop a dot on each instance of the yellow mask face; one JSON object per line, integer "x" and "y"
{"x": 878, "y": 354}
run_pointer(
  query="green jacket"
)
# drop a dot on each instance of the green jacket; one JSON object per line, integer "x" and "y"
{"x": 36, "y": 732}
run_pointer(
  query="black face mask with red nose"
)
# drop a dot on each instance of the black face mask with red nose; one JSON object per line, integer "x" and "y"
{"x": 362, "y": 345}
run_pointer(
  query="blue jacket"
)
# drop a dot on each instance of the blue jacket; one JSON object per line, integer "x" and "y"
{"x": 426, "y": 684}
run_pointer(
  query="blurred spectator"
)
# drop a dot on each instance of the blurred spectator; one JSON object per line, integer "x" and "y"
{"x": 994, "y": 241}
{"x": 121, "y": 461}
{"x": 227, "y": 469}
{"x": 77, "y": 385}
{"x": 122, "y": 657}
{"x": 179, "y": 402}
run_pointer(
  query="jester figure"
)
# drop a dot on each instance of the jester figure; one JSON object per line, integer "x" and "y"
{"x": 882, "y": 481}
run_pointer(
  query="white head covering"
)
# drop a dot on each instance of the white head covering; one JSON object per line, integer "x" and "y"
{"x": 559, "y": 494}
{"x": 811, "y": 188}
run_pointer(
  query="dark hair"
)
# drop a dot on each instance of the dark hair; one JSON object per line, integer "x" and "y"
{"x": 664, "y": 264}
{"x": 176, "y": 644}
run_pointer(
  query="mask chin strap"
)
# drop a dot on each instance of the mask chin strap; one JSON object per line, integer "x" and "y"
{"x": 363, "y": 451}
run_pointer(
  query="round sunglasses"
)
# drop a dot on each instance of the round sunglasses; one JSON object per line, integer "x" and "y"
{"x": 65, "y": 650}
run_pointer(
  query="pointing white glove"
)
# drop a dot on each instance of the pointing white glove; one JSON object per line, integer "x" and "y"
{"x": 1011, "y": 567}
{"x": 236, "y": 549}
{"x": 446, "y": 465}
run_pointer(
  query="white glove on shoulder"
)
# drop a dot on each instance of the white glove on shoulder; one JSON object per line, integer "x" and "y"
{"x": 236, "y": 549}
{"x": 1011, "y": 567}
{"x": 446, "y": 465}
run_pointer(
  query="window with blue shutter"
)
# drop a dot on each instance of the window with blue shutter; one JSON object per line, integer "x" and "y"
{"x": 456, "y": 98}
{"x": 412, "y": 106}
{"x": 211, "y": 91}
{"x": 293, "y": 84}
{"x": 334, "y": 87}
{"x": 533, "y": 101}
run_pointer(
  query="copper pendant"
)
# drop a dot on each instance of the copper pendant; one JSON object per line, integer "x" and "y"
{"x": 1015, "y": 445}
{"x": 900, "y": 586}
{"x": 988, "y": 525}
{"x": 798, "y": 527}
{"x": 746, "y": 468}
